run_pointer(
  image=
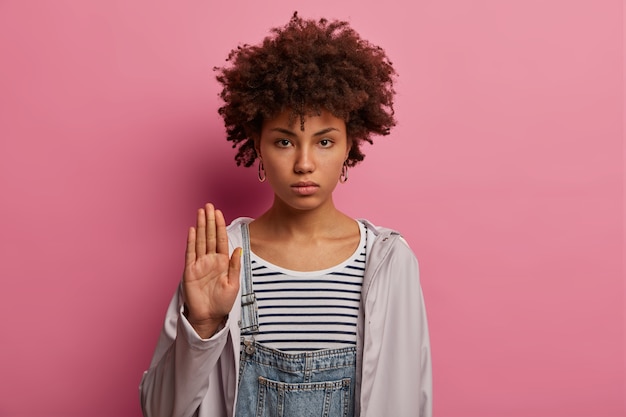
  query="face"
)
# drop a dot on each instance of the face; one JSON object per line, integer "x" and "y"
{"x": 303, "y": 166}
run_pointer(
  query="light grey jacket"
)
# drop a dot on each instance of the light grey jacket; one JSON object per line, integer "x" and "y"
{"x": 190, "y": 376}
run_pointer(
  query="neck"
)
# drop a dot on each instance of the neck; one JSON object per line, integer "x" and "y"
{"x": 287, "y": 221}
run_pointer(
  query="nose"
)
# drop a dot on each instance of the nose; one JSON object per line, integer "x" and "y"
{"x": 304, "y": 162}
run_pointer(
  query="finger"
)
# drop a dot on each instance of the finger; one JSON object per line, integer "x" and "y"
{"x": 210, "y": 230}
{"x": 222, "y": 237}
{"x": 190, "y": 253}
{"x": 235, "y": 267}
{"x": 201, "y": 233}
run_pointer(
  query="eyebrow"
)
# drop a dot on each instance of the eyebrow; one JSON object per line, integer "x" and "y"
{"x": 290, "y": 133}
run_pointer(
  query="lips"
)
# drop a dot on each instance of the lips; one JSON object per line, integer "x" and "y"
{"x": 305, "y": 187}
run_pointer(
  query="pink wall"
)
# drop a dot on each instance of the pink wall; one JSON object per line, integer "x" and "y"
{"x": 506, "y": 175}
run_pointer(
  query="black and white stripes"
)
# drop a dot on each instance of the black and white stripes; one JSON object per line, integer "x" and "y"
{"x": 307, "y": 311}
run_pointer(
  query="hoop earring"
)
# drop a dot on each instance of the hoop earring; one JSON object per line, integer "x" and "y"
{"x": 262, "y": 176}
{"x": 344, "y": 173}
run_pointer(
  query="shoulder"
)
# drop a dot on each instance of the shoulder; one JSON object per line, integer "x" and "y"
{"x": 392, "y": 272}
{"x": 384, "y": 234}
{"x": 389, "y": 256}
{"x": 234, "y": 231}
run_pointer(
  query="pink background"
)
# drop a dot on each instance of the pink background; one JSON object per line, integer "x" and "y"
{"x": 505, "y": 174}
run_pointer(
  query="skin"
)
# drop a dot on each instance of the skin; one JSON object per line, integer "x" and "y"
{"x": 210, "y": 279}
{"x": 302, "y": 230}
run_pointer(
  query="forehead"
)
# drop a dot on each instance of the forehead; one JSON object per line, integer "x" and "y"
{"x": 287, "y": 119}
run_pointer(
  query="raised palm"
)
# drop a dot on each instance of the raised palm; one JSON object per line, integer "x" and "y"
{"x": 211, "y": 279}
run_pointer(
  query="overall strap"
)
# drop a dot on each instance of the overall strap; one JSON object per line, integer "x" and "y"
{"x": 249, "y": 311}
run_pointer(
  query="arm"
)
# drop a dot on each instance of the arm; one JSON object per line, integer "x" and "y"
{"x": 182, "y": 367}
{"x": 396, "y": 372}
{"x": 192, "y": 344}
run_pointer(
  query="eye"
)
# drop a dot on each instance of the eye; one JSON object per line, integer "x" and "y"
{"x": 283, "y": 143}
{"x": 326, "y": 143}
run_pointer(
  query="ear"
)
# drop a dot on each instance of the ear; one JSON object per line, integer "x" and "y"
{"x": 257, "y": 145}
{"x": 348, "y": 149}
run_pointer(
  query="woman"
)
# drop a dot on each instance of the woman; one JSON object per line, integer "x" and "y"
{"x": 323, "y": 314}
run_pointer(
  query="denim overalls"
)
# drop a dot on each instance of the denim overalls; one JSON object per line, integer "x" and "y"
{"x": 277, "y": 384}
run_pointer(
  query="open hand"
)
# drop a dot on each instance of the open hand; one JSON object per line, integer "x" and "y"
{"x": 211, "y": 279}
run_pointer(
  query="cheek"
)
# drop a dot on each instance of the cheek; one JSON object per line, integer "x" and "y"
{"x": 276, "y": 168}
{"x": 333, "y": 167}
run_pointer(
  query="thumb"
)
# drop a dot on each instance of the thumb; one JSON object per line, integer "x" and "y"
{"x": 234, "y": 267}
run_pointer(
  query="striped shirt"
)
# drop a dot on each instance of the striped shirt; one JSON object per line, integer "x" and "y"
{"x": 313, "y": 310}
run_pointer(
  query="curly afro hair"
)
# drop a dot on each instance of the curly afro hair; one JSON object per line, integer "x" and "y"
{"x": 307, "y": 66}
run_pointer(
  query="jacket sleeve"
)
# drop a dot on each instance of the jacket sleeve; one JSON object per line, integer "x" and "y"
{"x": 183, "y": 367}
{"x": 396, "y": 367}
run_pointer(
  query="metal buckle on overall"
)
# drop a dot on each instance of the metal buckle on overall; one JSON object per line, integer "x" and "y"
{"x": 248, "y": 345}
{"x": 247, "y": 299}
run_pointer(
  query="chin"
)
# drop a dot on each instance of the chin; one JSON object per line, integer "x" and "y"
{"x": 303, "y": 206}
{"x": 302, "y": 203}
